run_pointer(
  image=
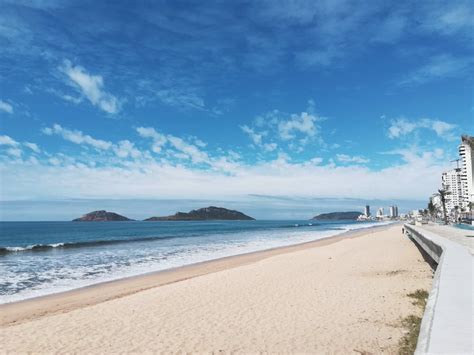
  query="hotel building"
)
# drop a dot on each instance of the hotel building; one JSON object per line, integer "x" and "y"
{"x": 453, "y": 183}
{"x": 367, "y": 211}
{"x": 393, "y": 211}
{"x": 466, "y": 155}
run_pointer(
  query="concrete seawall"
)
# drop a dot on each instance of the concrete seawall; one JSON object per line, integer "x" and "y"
{"x": 447, "y": 325}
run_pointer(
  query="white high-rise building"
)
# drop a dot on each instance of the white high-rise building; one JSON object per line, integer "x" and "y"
{"x": 452, "y": 183}
{"x": 367, "y": 211}
{"x": 466, "y": 155}
{"x": 380, "y": 213}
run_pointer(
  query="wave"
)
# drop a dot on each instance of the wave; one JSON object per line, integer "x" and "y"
{"x": 298, "y": 225}
{"x": 92, "y": 243}
{"x": 44, "y": 247}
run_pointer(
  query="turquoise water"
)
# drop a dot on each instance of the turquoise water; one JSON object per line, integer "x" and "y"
{"x": 39, "y": 258}
{"x": 464, "y": 226}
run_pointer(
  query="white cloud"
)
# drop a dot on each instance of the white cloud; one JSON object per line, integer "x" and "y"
{"x": 401, "y": 127}
{"x": 293, "y": 130}
{"x": 181, "y": 99}
{"x": 54, "y": 161}
{"x": 15, "y": 152}
{"x": 448, "y": 17}
{"x": 91, "y": 86}
{"x": 304, "y": 123}
{"x": 438, "y": 67}
{"x": 191, "y": 151}
{"x": 6, "y": 140}
{"x": 34, "y": 147}
{"x": 200, "y": 143}
{"x": 442, "y": 129}
{"x": 159, "y": 140}
{"x": 270, "y": 147}
{"x": 75, "y": 100}
{"x": 417, "y": 177}
{"x": 77, "y": 137}
{"x": 125, "y": 149}
{"x": 6, "y": 107}
{"x": 316, "y": 160}
{"x": 255, "y": 137}
{"x": 344, "y": 158}
{"x": 185, "y": 150}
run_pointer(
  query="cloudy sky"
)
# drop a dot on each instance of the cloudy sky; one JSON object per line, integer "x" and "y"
{"x": 247, "y": 103}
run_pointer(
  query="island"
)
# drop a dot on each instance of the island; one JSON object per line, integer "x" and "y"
{"x": 337, "y": 216}
{"x": 205, "y": 214}
{"x": 101, "y": 216}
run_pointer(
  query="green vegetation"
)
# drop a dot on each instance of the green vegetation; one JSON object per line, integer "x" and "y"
{"x": 432, "y": 209}
{"x": 443, "y": 195}
{"x": 407, "y": 344}
{"x": 420, "y": 297}
{"x": 412, "y": 323}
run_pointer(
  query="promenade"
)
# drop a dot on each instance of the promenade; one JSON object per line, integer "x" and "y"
{"x": 447, "y": 325}
{"x": 464, "y": 237}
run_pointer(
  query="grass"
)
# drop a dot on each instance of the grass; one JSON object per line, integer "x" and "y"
{"x": 412, "y": 323}
{"x": 407, "y": 344}
{"x": 420, "y": 297}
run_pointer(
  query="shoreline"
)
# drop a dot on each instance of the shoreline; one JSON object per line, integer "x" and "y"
{"x": 34, "y": 308}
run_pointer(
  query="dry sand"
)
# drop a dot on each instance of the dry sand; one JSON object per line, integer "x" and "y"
{"x": 344, "y": 295}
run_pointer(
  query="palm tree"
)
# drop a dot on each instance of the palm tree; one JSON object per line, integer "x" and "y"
{"x": 443, "y": 193}
{"x": 456, "y": 214}
{"x": 432, "y": 209}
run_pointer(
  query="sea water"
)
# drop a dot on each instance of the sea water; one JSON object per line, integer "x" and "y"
{"x": 40, "y": 258}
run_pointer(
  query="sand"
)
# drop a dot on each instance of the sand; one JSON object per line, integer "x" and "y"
{"x": 343, "y": 295}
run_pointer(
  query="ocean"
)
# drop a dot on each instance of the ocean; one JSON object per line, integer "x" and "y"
{"x": 40, "y": 258}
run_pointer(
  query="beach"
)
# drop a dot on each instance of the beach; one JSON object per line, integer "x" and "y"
{"x": 342, "y": 294}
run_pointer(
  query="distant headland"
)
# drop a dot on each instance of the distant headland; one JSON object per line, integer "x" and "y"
{"x": 336, "y": 216}
{"x": 203, "y": 214}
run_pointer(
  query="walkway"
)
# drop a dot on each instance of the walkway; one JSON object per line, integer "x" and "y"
{"x": 448, "y": 321}
{"x": 454, "y": 234}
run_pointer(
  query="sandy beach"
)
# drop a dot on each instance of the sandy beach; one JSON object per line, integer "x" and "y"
{"x": 345, "y": 294}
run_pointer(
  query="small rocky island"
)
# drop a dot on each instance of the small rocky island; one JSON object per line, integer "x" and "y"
{"x": 338, "y": 216}
{"x": 205, "y": 214}
{"x": 101, "y": 216}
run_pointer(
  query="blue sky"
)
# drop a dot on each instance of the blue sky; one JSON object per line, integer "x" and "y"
{"x": 224, "y": 101}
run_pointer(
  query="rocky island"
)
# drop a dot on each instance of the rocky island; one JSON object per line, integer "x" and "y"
{"x": 205, "y": 214}
{"x": 101, "y": 216}
{"x": 337, "y": 216}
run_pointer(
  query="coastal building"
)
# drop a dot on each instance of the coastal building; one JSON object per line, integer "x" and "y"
{"x": 380, "y": 213}
{"x": 393, "y": 212}
{"x": 452, "y": 182}
{"x": 466, "y": 156}
{"x": 367, "y": 211}
{"x": 436, "y": 200}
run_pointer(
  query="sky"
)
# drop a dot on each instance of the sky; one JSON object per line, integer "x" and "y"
{"x": 282, "y": 108}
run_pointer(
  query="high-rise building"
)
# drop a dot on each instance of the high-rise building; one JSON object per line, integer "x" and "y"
{"x": 380, "y": 212}
{"x": 367, "y": 211}
{"x": 466, "y": 155}
{"x": 452, "y": 183}
{"x": 393, "y": 212}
